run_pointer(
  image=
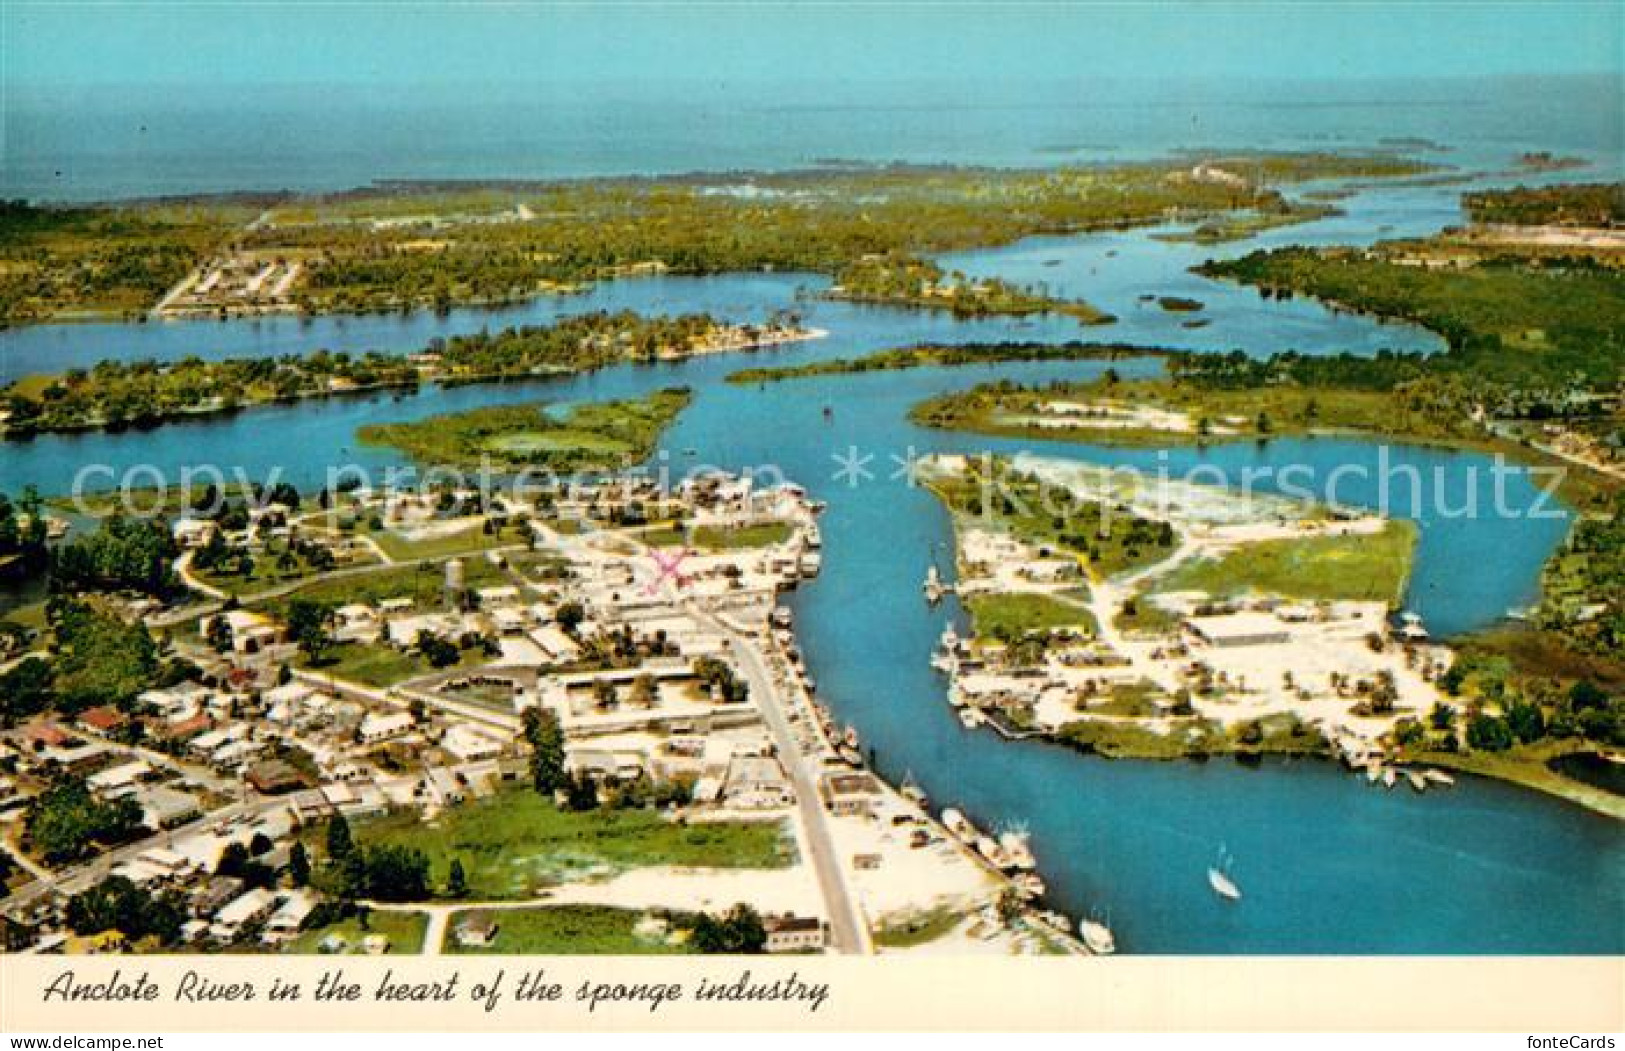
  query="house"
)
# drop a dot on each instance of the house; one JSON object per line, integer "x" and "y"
{"x": 240, "y": 912}
{"x": 274, "y": 777}
{"x": 356, "y": 622}
{"x": 118, "y": 780}
{"x": 290, "y": 916}
{"x": 1232, "y": 630}
{"x": 102, "y": 719}
{"x": 757, "y": 782}
{"x": 847, "y": 793}
{"x": 381, "y": 727}
{"x": 250, "y": 632}
{"x": 193, "y": 533}
{"x": 468, "y": 743}
{"x": 790, "y": 933}
{"x": 477, "y": 928}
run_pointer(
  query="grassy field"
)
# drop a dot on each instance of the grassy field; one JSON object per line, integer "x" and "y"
{"x": 1365, "y": 567}
{"x": 405, "y": 931}
{"x": 382, "y": 665}
{"x": 463, "y": 542}
{"x": 920, "y": 928}
{"x": 515, "y": 843}
{"x": 564, "y": 930}
{"x": 1012, "y": 615}
{"x": 734, "y": 538}
{"x": 423, "y": 584}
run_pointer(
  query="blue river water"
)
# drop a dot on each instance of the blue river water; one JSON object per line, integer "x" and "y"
{"x": 1328, "y": 864}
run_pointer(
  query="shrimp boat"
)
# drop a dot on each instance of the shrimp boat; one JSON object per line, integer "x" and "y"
{"x": 1016, "y": 848}
{"x": 1218, "y": 877}
{"x": 1098, "y": 937}
{"x": 1439, "y": 777}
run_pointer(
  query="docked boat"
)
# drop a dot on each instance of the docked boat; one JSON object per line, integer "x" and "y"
{"x": 1439, "y": 777}
{"x": 989, "y": 848}
{"x": 1098, "y": 937}
{"x": 955, "y": 822}
{"x": 1418, "y": 782}
{"x": 849, "y": 737}
{"x": 972, "y": 718}
{"x": 850, "y": 756}
{"x": 811, "y": 562}
{"x": 1372, "y": 772}
{"x": 1016, "y": 848}
{"x": 914, "y": 794}
{"x": 782, "y": 617}
{"x": 1030, "y": 884}
{"x": 1390, "y": 777}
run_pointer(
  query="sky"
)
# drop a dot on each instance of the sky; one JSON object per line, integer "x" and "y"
{"x": 209, "y": 45}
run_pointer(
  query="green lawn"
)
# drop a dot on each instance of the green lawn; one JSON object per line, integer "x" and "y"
{"x": 564, "y": 930}
{"x": 381, "y": 665}
{"x": 405, "y": 931}
{"x": 515, "y": 843}
{"x": 464, "y": 541}
{"x": 1013, "y": 615}
{"x": 918, "y": 929}
{"x": 1366, "y": 567}
{"x": 733, "y": 538}
{"x": 424, "y": 585}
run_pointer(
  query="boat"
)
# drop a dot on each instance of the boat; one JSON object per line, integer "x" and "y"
{"x": 955, "y": 822}
{"x": 989, "y": 848}
{"x": 781, "y": 616}
{"x": 1029, "y": 884}
{"x": 1416, "y": 779}
{"x": 1223, "y": 885}
{"x": 849, "y": 737}
{"x": 850, "y": 756}
{"x": 1016, "y": 848}
{"x": 810, "y": 564}
{"x": 1373, "y": 771}
{"x": 971, "y": 718}
{"x": 1439, "y": 777}
{"x": 1218, "y": 877}
{"x": 1389, "y": 777}
{"x": 933, "y": 585}
{"x": 914, "y": 794}
{"x": 1098, "y": 937}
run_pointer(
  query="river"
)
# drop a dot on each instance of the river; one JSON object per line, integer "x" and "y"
{"x": 1327, "y": 863}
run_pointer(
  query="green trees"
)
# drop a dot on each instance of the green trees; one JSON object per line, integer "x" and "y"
{"x": 739, "y": 930}
{"x": 456, "y": 880}
{"x": 124, "y": 554}
{"x": 1489, "y": 733}
{"x": 99, "y": 659}
{"x": 309, "y": 626}
{"x": 66, "y": 819}
{"x": 117, "y": 904}
{"x": 546, "y": 739}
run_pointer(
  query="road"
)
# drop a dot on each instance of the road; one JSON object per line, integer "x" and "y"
{"x": 849, "y": 931}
